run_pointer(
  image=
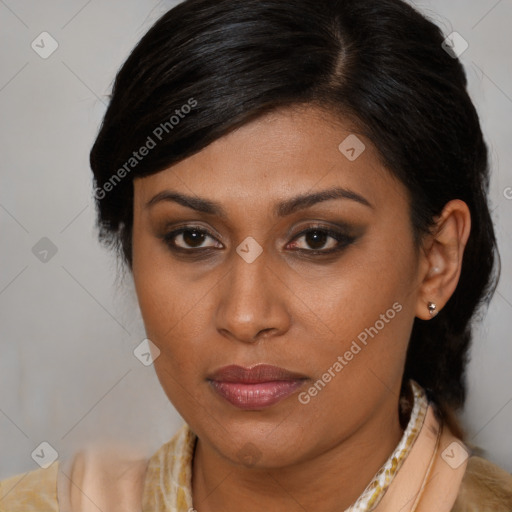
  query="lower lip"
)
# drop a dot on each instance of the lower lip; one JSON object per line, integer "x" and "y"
{"x": 256, "y": 396}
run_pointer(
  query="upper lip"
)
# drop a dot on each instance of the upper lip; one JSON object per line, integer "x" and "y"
{"x": 254, "y": 374}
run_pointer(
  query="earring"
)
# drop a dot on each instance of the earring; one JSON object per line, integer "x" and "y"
{"x": 432, "y": 309}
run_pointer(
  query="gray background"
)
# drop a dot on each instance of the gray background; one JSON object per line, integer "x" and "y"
{"x": 68, "y": 375}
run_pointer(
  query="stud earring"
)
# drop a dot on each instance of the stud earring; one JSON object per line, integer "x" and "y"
{"x": 432, "y": 309}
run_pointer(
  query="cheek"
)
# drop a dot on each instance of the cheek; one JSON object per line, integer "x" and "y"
{"x": 368, "y": 306}
{"x": 160, "y": 302}
{"x": 173, "y": 309}
{"x": 379, "y": 272}
{"x": 172, "y": 324}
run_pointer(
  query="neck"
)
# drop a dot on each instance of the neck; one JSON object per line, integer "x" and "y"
{"x": 332, "y": 481}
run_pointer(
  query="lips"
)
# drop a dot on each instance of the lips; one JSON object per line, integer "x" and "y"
{"x": 255, "y": 388}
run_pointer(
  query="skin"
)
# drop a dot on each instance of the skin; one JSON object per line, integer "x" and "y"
{"x": 292, "y": 310}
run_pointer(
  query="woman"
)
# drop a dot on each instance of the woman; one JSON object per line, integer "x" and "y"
{"x": 299, "y": 191}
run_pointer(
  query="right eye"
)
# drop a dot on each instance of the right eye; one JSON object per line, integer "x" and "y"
{"x": 188, "y": 239}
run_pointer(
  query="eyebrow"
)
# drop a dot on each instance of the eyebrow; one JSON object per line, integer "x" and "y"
{"x": 281, "y": 209}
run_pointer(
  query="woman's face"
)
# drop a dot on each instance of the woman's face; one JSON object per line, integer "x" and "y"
{"x": 324, "y": 289}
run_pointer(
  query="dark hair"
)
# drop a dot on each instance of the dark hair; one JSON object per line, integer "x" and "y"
{"x": 206, "y": 67}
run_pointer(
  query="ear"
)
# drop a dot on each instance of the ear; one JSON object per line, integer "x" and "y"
{"x": 441, "y": 263}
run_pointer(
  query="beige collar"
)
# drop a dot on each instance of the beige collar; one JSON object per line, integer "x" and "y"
{"x": 430, "y": 476}
{"x": 379, "y": 484}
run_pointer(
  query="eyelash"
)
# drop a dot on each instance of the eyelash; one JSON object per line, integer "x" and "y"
{"x": 343, "y": 240}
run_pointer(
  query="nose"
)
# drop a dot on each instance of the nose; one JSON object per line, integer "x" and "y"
{"x": 252, "y": 301}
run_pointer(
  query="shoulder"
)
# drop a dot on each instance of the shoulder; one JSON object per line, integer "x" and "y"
{"x": 30, "y": 492}
{"x": 175, "y": 452}
{"x": 169, "y": 473}
{"x": 485, "y": 487}
{"x": 109, "y": 476}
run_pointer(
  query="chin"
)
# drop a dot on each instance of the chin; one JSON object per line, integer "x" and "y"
{"x": 257, "y": 446}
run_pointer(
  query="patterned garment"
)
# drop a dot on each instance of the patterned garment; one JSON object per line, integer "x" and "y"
{"x": 375, "y": 490}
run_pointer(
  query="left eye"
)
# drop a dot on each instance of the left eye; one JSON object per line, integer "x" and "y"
{"x": 318, "y": 240}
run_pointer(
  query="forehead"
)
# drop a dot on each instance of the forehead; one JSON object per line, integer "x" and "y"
{"x": 281, "y": 154}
